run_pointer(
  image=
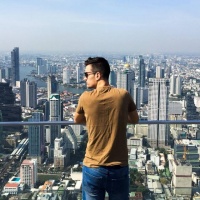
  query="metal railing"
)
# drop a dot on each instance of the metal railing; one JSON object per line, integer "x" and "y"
{"x": 21, "y": 123}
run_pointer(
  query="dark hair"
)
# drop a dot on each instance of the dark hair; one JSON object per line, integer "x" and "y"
{"x": 99, "y": 64}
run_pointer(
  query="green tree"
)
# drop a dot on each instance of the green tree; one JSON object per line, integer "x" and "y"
{"x": 142, "y": 189}
{"x": 163, "y": 180}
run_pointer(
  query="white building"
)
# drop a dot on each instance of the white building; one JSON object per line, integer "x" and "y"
{"x": 178, "y": 85}
{"x": 11, "y": 188}
{"x": 172, "y": 84}
{"x": 155, "y": 158}
{"x": 154, "y": 186}
{"x": 175, "y": 85}
{"x": 134, "y": 141}
{"x": 159, "y": 72}
{"x": 133, "y": 154}
{"x": 66, "y": 75}
{"x": 141, "y": 129}
{"x": 59, "y": 153}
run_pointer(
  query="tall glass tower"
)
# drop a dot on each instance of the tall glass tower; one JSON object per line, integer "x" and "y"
{"x": 158, "y": 103}
{"x": 125, "y": 79}
{"x": 52, "y": 85}
{"x": 15, "y": 65}
{"x": 41, "y": 66}
{"x": 36, "y": 138}
{"x": 28, "y": 93}
{"x": 55, "y": 115}
{"x": 141, "y": 77}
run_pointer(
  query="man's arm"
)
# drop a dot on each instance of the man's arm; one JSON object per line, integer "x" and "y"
{"x": 79, "y": 118}
{"x": 133, "y": 117}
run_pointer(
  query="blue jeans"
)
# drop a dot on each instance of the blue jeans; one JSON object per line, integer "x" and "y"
{"x": 113, "y": 180}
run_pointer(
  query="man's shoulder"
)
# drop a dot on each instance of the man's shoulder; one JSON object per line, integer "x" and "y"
{"x": 120, "y": 90}
{"x": 115, "y": 90}
{"x": 86, "y": 93}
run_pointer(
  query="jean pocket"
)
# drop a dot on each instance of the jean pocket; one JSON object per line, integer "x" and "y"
{"x": 92, "y": 181}
{"x": 118, "y": 188}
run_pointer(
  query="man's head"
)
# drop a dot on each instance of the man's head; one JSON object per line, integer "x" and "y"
{"x": 99, "y": 64}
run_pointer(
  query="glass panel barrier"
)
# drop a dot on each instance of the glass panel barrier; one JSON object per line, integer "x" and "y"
{"x": 45, "y": 158}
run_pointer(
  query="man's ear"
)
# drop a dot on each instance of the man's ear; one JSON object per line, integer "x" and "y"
{"x": 98, "y": 76}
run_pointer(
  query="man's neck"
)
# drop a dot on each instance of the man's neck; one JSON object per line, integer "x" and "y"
{"x": 102, "y": 83}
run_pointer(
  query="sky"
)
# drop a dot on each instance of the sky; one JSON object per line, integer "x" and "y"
{"x": 109, "y": 26}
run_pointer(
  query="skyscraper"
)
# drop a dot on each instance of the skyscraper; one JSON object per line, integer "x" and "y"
{"x": 59, "y": 153}
{"x": 78, "y": 129}
{"x": 55, "y": 115}
{"x": 28, "y": 93}
{"x": 141, "y": 77}
{"x": 1, "y": 128}
{"x": 31, "y": 97}
{"x": 15, "y": 65}
{"x": 172, "y": 84}
{"x": 41, "y": 66}
{"x": 81, "y": 66}
{"x": 112, "y": 78}
{"x": 158, "y": 110}
{"x": 36, "y": 138}
{"x": 140, "y": 96}
{"x": 178, "y": 85}
{"x": 52, "y": 69}
{"x": 191, "y": 110}
{"x": 52, "y": 85}
{"x": 8, "y": 73}
{"x": 2, "y": 74}
{"x": 23, "y": 92}
{"x": 46, "y": 111}
{"x": 78, "y": 73}
{"x": 66, "y": 75}
{"x": 140, "y": 92}
{"x": 125, "y": 79}
{"x": 175, "y": 85}
{"x": 10, "y": 111}
{"x": 159, "y": 72}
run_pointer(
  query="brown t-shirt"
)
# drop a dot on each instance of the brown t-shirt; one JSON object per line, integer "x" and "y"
{"x": 106, "y": 111}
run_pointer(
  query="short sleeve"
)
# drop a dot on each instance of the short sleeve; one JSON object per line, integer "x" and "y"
{"x": 79, "y": 108}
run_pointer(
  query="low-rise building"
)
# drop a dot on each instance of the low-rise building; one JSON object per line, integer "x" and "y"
{"x": 11, "y": 188}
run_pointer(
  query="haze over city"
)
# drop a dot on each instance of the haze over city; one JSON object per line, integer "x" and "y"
{"x": 153, "y": 50}
{"x": 101, "y": 26}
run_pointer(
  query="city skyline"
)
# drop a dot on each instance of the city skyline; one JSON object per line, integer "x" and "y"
{"x": 102, "y": 26}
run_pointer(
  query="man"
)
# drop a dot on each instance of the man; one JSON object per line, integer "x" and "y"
{"x": 105, "y": 111}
